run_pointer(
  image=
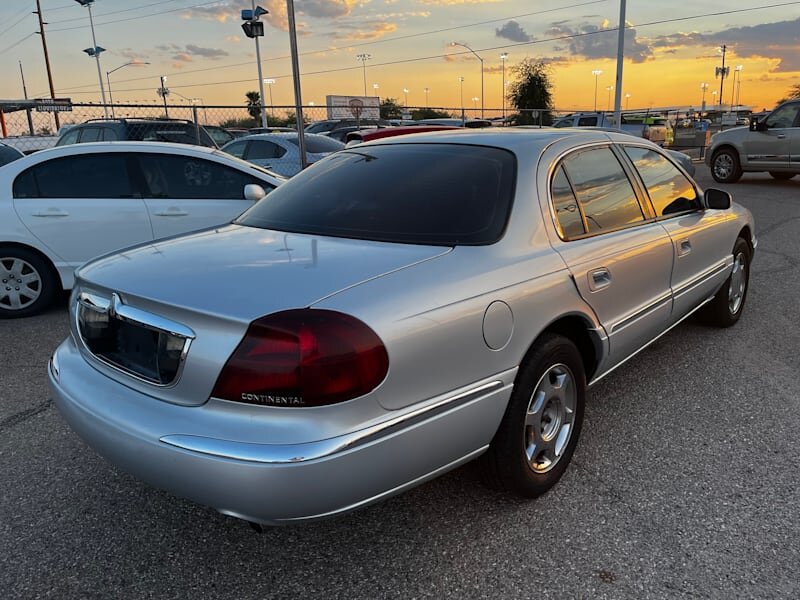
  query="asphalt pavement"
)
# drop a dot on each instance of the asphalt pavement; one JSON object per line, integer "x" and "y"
{"x": 684, "y": 484}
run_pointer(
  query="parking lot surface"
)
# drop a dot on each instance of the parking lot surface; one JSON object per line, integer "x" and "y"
{"x": 684, "y": 484}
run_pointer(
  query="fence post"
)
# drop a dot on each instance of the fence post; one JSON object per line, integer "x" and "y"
{"x": 3, "y": 123}
{"x": 196, "y": 122}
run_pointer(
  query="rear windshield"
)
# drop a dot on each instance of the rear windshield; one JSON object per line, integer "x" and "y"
{"x": 432, "y": 194}
{"x": 179, "y": 133}
{"x": 318, "y": 144}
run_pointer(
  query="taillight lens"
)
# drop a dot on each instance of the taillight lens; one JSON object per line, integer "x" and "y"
{"x": 304, "y": 357}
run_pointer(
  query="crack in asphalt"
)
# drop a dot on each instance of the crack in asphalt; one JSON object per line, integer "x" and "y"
{"x": 24, "y": 415}
{"x": 770, "y": 228}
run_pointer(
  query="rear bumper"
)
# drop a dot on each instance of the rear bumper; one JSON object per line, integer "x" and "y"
{"x": 268, "y": 483}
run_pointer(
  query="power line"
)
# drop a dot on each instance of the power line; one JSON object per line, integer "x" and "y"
{"x": 17, "y": 43}
{"x": 124, "y": 10}
{"x": 21, "y": 19}
{"x": 321, "y": 51}
{"x": 155, "y": 14}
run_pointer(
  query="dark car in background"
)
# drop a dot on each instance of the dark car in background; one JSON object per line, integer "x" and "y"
{"x": 8, "y": 154}
{"x": 178, "y": 131}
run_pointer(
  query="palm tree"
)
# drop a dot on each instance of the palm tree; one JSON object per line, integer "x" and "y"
{"x": 253, "y": 104}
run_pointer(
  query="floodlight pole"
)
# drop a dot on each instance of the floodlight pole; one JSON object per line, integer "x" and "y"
{"x": 96, "y": 57}
{"x": 298, "y": 99}
{"x": 260, "y": 76}
{"x": 478, "y": 56}
{"x": 620, "y": 61}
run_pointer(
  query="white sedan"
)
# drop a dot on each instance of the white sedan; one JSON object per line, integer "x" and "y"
{"x": 63, "y": 206}
{"x": 279, "y": 152}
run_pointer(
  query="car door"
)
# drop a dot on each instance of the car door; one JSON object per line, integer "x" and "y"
{"x": 620, "y": 258}
{"x": 82, "y": 206}
{"x": 794, "y": 145}
{"x": 701, "y": 246}
{"x": 770, "y": 149}
{"x": 185, "y": 192}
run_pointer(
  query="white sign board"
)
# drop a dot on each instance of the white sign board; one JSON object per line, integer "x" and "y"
{"x": 353, "y": 107}
{"x": 729, "y": 118}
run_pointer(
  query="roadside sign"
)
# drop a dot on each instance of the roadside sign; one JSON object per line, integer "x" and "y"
{"x": 54, "y": 105}
{"x": 348, "y": 107}
{"x": 729, "y": 118}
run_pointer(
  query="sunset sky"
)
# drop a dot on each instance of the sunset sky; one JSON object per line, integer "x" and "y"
{"x": 671, "y": 48}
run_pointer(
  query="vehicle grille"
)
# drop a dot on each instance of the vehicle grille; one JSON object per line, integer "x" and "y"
{"x": 131, "y": 340}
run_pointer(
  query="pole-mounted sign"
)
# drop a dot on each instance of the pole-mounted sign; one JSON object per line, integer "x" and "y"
{"x": 252, "y": 26}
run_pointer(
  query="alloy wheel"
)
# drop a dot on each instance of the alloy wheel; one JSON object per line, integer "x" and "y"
{"x": 550, "y": 418}
{"x": 20, "y": 283}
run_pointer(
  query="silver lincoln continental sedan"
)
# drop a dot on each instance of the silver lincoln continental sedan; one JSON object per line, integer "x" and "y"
{"x": 396, "y": 310}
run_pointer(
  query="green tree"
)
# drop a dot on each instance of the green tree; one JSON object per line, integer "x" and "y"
{"x": 253, "y": 104}
{"x": 239, "y": 123}
{"x": 531, "y": 89}
{"x": 429, "y": 113}
{"x": 390, "y": 109}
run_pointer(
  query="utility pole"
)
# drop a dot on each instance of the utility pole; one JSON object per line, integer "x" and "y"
{"x": 722, "y": 72}
{"x": 298, "y": 98}
{"x": 25, "y": 94}
{"x": 620, "y": 61}
{"x": 38, "y": 12}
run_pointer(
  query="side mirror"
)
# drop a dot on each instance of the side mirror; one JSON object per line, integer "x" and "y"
{"x": 757, "y": 124}
{"x": 254, "y": 192}
{"x": 717, "y": 199}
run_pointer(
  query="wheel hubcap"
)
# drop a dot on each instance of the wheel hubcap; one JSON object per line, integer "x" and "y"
{"x": 550, "y": 418}
{"x": 723, "y": 166}
{"x": 738, "y": 284}
{"x": 20, "y": 283}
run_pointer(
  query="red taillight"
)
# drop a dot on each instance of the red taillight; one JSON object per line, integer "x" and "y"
{"x": 304, "y": 357}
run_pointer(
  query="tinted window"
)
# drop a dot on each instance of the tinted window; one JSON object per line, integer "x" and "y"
{"x": 90, "y": 134}
{"x": 563, "y": 123}
{"x": 236, "y": 149}
{"x": 603, "y": 190}
{"x": 566, "y": 206}
{"x": 669, "y": 190}
{"x": 173, "y": 176}
{"x": 439, "y": 194}
{"x": 70, "y": 137}
{"x": 783, "y": 117}
{"x": 8, "y": 154}
{"x": 260, "y": 149}
{"x": 86, "y": 176}
{"x": 180, "y": 133}
{"x": 587, "y": 121}
{"x": 109, "y": 135}
{"x": 317, "y": 144}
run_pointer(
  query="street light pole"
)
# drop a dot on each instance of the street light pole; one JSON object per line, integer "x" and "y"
{"x": 426, "y": 97}
{"x": 739, "y": 86}
{"x": 461, "y": 80}
{"x": 608, "y": 101}
{"x": 704, "y": 87}
{"x": 627, "y": 100}
{"x": 88, "y": 5}
{"x": 405, "y": 91}
{"x": 620, "y": 63}
{"x": 737, "y": 70}
{"x": 364, "y": 58}
{"x": 269, "y": 82}
{"x": 596, "y": 73}
{"x": 164, "y": 92}
{"x": 503, "y": 57}
{"x": 108, "y": 80}
{"x": 480, "y": 59}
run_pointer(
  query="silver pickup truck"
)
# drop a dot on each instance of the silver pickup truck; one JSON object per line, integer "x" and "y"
{"x": 649, "y": 126}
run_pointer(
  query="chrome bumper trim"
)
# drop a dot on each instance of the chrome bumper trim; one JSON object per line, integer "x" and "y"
{"x": 294, "y": 453}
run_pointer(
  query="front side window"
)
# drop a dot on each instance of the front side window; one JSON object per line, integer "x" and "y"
{"x": 603, "y": 190}
{"x": 450, "y": 194}
{"x": 261, "y": 149}
{"x": 186, "y": 177}
{"x": 783, "y": 117}
{"x": 669, "y": 189}
{"x": 84, "y": 176}
{"x": 71, "y": 137}
{"x": 587, "y": 122}
{"x": 236, "y": 149}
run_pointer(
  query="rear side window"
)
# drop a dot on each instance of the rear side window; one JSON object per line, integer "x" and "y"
{"x": 236, "y": 149}
{"x": 109, "y": 135}
{"x": 587, "y": 121}
{"x": 179, "y": 133}
{"x": 319, "y": 144}
{"x": 566, "y": 208}
{"x": 433, "y": 194}
{"x": 669, "y": 190}
{"x": 90, "y": 134}
{"x": 603, "y": 189}
{"x": 184, "y": 177}
{"x": 85, "y": 176}
{"x": 71, "y": 137}
{"x": 262, "y": 149}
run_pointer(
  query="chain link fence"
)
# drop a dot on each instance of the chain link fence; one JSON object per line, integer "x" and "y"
{"x": 34, "y": 125}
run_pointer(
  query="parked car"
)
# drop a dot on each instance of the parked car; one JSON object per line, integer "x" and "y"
{"x": 270, "y": 130}
{"x": 331, "y": 124}
{"x": 342, "y": 133}
{"x": 279, "y": 152}
{"x": 771, "y": 144}
{"x": 468, "y": 123}
{"x": 140, "y": 130}
{"x": 359, "y": 137}
{"x": 220, "y": 135}
{"x": 358, "y": 340}
{"x": 8, "y": 154}
{"x": 61, "y": 207}
{"x": 650, "y": 127}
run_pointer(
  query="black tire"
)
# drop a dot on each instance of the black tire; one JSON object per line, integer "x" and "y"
{"x": 725, "y": 166}
{"x": 782, "y": 175}
{"x": 506, "y": 465}
{"x": 27, "y": 283}
{"x": 723, "y": 311}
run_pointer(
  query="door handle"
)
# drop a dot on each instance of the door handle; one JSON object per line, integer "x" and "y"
{"x": 599, "y": 279}
{"x": 781, "y": 136}
{"x": 684, "y": 248}
{"x": 172, "y": 213}
{"x": 51, "y": 212}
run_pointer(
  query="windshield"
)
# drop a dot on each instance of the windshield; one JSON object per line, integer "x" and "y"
{"x": 432, "y": 194}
